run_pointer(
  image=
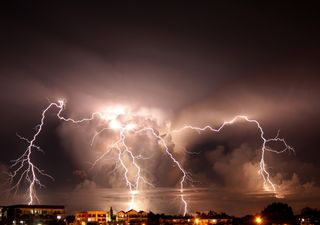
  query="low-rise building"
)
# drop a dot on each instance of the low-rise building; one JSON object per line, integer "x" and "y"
{"x": 132, "y": 217}
{"x": 32, "y": 214}
{"x": 92, "y": 216}
{"x": 121, "y": 216}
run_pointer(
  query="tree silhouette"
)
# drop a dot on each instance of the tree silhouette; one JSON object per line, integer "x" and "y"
{"x": 212, "y": 214}
{"x": 312, "y": 215}
{"x": 278, "y": 212}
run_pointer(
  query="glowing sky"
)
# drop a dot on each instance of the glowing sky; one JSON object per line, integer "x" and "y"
{"x": 178, "y": 64}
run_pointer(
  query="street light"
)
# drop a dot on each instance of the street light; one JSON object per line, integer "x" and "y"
{"x": 258, "y": 220}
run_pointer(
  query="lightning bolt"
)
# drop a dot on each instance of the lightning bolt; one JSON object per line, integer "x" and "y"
{"x": 263, "y": 170}
{"x": 23, "y": 169}
{"x": 24, "y": 165}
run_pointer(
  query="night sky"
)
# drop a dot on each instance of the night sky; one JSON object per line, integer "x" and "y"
{"x": 182, "y": 63}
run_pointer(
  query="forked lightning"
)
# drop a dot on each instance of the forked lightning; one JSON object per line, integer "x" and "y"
{"x": 24, "y": 169}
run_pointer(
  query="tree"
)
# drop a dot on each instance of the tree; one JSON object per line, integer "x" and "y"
{"x": 70, "y": 219}
{"x": 278, "y": 212}
{"x": 313, "y": 215}
{"x": 212, "y": 214}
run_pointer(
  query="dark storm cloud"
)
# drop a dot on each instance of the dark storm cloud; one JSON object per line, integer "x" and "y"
{"x": 194, "y": 64}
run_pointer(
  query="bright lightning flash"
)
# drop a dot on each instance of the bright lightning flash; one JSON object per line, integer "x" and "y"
{"x": 263, "y": 170}
{"x": 24, "y": 169}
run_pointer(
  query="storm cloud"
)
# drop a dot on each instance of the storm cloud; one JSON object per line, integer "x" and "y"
{"x": 197, "y": 65}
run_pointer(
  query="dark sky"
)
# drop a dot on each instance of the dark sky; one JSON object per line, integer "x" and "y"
{"x": 186, "y": 63}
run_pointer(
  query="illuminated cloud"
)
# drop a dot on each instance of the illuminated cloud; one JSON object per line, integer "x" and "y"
{"x": 173, "y": 69}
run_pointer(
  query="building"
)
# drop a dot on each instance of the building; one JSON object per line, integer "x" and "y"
{"x": 121, "y": 216}
{"x": 32, "y": 214}
{"x": 92, "y": 216}
{"x": 132, "y": 217}
{"x": 135, "y": 217}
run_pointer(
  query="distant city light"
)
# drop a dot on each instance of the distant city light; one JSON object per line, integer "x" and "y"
{"x": 258, "y": 220}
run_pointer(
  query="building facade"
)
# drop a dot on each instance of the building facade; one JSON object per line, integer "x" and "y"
{"x": 92, "y": 216}
{"x": 32, "y": 214}
{"x": 132, "y": 217}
